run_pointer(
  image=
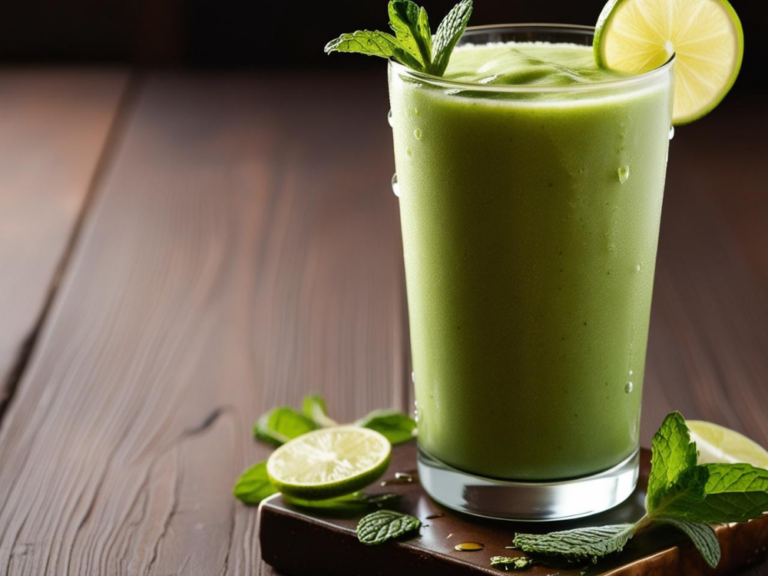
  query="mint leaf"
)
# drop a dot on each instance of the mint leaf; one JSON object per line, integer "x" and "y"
{"x": 448, "y": 34}
{"x": 314, "y": 408}
{"x": 672, "y": 453}
{"x": 282, "y": 424}
{"x": 394, "y": 425}
{"x": 511, "y": 563}
{"x": 578, "y": 544}
{"x": 378, "y": 527}
{"x": 374, "y": 43}
{"x": 405, "y": 21}
{"x": 702, "y": 535}
{"x": 254, "y": 485}
{"x": 684, "y": 496}
{"x": 733, "y": 493}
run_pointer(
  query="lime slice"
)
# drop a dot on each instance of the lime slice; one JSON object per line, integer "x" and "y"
{"x": 636, "y": 36}
{"x": 720, "y": 444}
{"x": 328, "y": 463}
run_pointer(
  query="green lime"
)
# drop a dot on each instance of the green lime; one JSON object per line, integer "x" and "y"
{"x": 328, "y": 463}
{"x": 719, "y": 444}
{"x": 637, "y": 36}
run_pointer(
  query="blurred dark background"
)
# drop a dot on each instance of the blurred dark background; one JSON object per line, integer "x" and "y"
{"x": 264, "y": 34}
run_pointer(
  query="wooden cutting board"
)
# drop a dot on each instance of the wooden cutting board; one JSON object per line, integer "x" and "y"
{"x": 304, "y": 542}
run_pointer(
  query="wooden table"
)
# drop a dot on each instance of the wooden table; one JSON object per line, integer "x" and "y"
{"x": 181, "y": 252}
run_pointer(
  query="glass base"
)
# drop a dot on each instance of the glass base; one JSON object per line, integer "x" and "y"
{"x": 528, "y": 501}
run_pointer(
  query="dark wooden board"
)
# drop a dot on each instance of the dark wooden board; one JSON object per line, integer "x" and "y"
{"x": 54, "y": 125}
{"x": 239, "y": 253}
{"x": 303, "y": 542}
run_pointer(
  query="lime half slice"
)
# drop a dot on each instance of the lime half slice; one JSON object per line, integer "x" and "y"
{"x": 719, "y": 444}
{"x": 328, "y": 463}
{"x": 636, "y": 36}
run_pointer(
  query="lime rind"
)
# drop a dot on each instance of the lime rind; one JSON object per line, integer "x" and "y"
{"x": 663, "y": 31}
{"x": 329, "y": 463}
{"x": 718, "y": 444}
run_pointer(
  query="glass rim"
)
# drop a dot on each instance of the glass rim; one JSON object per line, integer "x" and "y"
{"x": 628, "y": 81}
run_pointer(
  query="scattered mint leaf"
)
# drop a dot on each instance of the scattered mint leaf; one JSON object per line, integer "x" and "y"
{"x": 395, "y": 426}
{"x": 383, "y": 525}
{"x": 355, "y": 502}
{"x": 314, "y": 408}
{"x": 282, "y": 424}
{"x": 578, "y": 544}
{"x": 702, "y": 535}
{"x": 511, "y": 563}
{"x": 448, "y": 34}
{"x": 413, "y": 44}
{"x": 372, "y": 43}
{"x": 404, "y": 19}
{"x": 672, "y": 453}
{"x": 684, "y": 496}
{"x": 253, "y": 485}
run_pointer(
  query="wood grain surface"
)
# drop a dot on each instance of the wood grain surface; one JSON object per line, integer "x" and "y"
{"x": 242, "y": 249}
{"x": 53, "y": 130}
{"x": 240, "y": 252}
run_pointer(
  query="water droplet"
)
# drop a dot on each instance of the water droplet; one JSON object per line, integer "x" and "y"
{"x": 629, "y": 387}
{"x": 403, "y": 476}
{"x": 408, "y": 152}
{"x": 623, "y": 174}
{"x": 390, "y": 119}
{"x": 469, "y": 547}
{"x": 671, "y": 132}
{"x": 395, "y": 186}
{"x": 413, "y": 379}
{"x": 638, "y": 267}
{"x": 631, "y": 372}
{"x": 417, "y": 134}
{"x": 416, "y": 112}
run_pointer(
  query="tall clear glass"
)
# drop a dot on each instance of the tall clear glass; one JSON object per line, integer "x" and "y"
{"x": 530, "y": 219}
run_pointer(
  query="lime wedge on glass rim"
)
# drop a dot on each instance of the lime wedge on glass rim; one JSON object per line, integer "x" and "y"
{"x": 717, "y": 444}
{"x": 329, "y": 462}
{"x": 706, "y": 37}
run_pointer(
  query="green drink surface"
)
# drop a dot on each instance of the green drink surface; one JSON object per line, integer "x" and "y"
{"x": 530, "y": 231}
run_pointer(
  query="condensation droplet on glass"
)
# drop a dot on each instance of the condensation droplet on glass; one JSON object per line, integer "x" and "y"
{"x": 638, "y": 267}
{"x": 417, "y": 134}
{"x": 413, "y": 377}
{"x": 629, "y": 387}
{"x": 408, "y": 152}
{"x": 416, "y": 112}
{"x": 631, "y": 372}
{"x": 623, "y": 174}
{"x": 395, "y": 186}
{"x": 671, "y": 132}
{"x": 390, "y": 119}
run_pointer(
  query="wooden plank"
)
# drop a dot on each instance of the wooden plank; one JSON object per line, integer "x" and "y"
{"x": 53, "y": 128}
{"x": 242, "y": 250}
{"x": 318, "y": 537}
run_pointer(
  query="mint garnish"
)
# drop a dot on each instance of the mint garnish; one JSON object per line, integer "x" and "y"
{"x": 681, "y": 493}
{"x": 393, "y": 425}
{"x": 413, "y": 44}
{"x": 282, "y": 424}
{"x": 702, "y": 535}
{"x": 509, "y": 563}
{"x": 579, "y": 544}
{"x": 383, "y": 525}
{"x": 314, "y": 408}
{"x": 254, "y": 485}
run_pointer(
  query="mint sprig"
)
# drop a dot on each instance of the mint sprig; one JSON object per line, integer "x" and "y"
{"x": 283, "y": 424}
{"x": 681, "y": 493}
{"x": 511, "y": 563}
{"x": 383, "y": 525}
{"x": 413, "y": 44}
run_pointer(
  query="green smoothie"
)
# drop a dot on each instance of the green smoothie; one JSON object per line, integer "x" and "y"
{"x": 530, "y": 225}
